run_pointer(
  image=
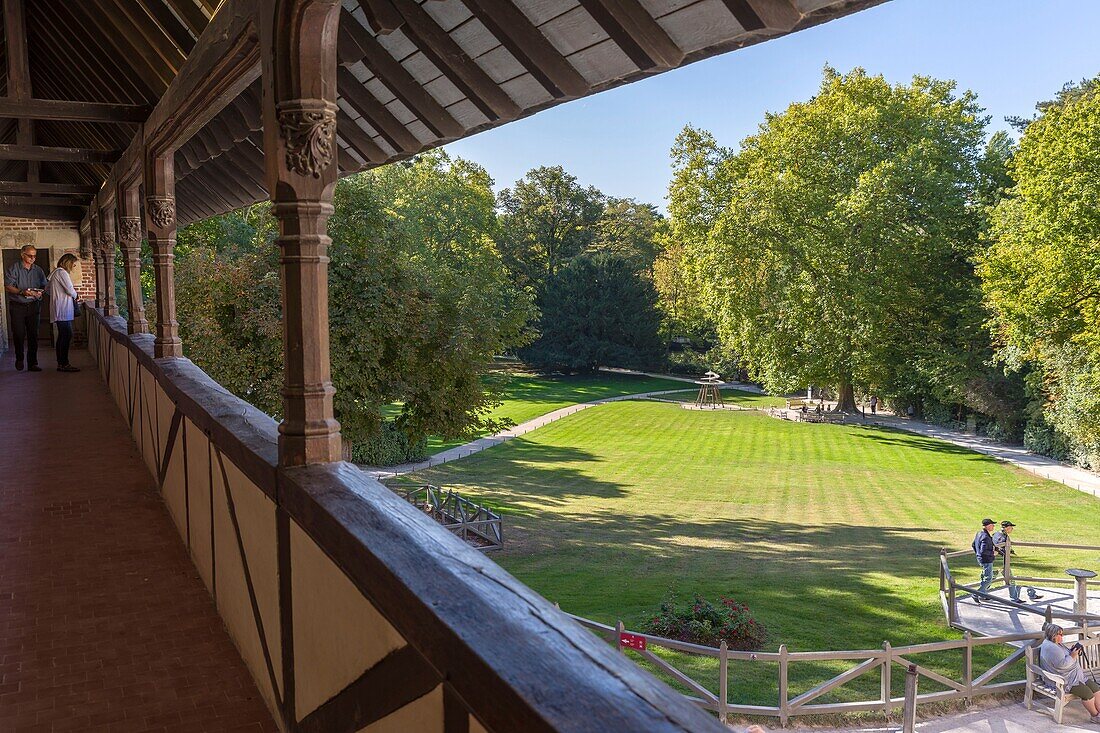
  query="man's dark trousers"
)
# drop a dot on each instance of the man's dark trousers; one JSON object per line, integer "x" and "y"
{"x": 24, "y": 327}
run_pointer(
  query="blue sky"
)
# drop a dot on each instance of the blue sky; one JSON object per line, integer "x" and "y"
{"x": 1012, "y": 53}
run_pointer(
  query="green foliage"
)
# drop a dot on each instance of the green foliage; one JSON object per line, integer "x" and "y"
{"x": 419, "y": 301}
{"x": 547, "y": 218}
{"x": 389, "y": 447}
{"x": 1042, "y": 266}
{"x": 597, "y": 311}
{"x": 707, "y": 623}
{"x": 833, "y": 248}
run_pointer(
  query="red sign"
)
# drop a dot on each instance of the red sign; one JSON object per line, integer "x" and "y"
{"x": 632, "y": 641}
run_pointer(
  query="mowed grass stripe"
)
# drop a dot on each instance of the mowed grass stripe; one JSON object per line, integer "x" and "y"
{"x": 830, "y": 533}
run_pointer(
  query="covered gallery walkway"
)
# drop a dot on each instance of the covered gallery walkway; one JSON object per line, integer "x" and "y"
{"x": 104, "y": 622}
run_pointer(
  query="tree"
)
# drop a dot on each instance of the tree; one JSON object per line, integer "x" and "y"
{"x": 547, "y": 218}
{"x": 598, "y": 312}
{"x": 831, "y": 245}
{"x": 419, "y": 303}
{"x": 628, "y": 228}
{"x": 1041, "y": 269}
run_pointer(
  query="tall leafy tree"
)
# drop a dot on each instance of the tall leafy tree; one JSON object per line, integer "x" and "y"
{"x": 419, "y": 302}
{"x": 1042, "y": 268}
{"x": 830, "y": 246}
{"x": 598, "y": 311}
{"x": 547, "y": 218}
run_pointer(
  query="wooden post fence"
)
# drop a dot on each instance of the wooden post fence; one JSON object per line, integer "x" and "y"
{"x": 723, "y": 681}
{"x": 909, "y": 712}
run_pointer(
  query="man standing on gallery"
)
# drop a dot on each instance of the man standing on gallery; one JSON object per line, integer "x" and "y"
{"x": 25, "y": 283}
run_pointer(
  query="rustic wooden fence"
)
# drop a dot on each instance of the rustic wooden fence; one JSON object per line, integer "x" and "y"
{"x": 967, "y": 684}
{"x": 951, "y": 590}
{"x": 475, "y": 524}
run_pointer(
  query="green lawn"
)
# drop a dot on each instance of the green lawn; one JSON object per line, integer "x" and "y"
{"x": 732, "y": 396}
{"x": 527, "y": 395}
{"x": 829, "y": 532}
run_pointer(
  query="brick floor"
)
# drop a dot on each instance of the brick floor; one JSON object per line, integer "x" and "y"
{"x": 104, "y": 623}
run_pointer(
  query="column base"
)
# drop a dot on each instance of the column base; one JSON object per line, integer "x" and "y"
{"x": 167, "y": 349}
{"x": 308, "y": 450}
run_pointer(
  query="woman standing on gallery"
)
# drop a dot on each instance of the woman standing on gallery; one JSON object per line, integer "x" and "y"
{"x": 63, "y": 299}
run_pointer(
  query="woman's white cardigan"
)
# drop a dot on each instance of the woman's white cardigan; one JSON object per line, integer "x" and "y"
{"x": 62, "y": 295}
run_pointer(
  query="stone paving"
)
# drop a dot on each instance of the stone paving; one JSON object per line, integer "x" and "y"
{"x": 104, "y": 622}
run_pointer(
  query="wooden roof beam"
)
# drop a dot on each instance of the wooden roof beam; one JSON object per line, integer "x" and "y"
{"x": 357, "y": 44}
{"x": 191, "y": 14}
{"x": 358, "y": 140}
{"x": 770, "y": 15}
{"x": 172, "y": 26}
{"x": 17, "y": 200}
{"x": 147, "y": 37}
{"x": 58, "y": 109}
{"x": 381, "y": 119}
{"x": 72, "y": 189}
{"x": 59, "y": 213}
{"x": 454, "y": 63}
{"x": 530, "y": 47}
{"x": 60, "y": 155}
{"x": 123, "y": 47}
{"x": 635, "y": 31}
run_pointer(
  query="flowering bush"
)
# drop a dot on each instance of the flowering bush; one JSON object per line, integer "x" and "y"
{"x": 708, "y": 623}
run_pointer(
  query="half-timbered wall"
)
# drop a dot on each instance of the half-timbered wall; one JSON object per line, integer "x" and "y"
{"x": 352, "y": 610}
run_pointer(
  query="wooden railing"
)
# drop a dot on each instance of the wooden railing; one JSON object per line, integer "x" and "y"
{"x": 880, "y": 663}
{"x": 477, "y": 525}
{"x": 348, "y": 605}
{"x": 951, "y": 589}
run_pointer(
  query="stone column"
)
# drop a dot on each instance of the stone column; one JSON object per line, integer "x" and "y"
{"x": 160, "y": 224}
{"x": 107, "y": 239}
{"x": 299, "y": 98}
{"x": 129, "y": 240}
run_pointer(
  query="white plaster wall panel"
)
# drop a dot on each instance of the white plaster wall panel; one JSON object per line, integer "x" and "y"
{"x": 166, "y": 410}
{"x": 150, "y": 446}
{"x": 423, "y": 715}
{"x": 338, "y": 634}
{"x": 255, "y": 515}
{"x": 700, "y": 25}
{"x": 174, "y": 489}
{"x": 198, "y": 508}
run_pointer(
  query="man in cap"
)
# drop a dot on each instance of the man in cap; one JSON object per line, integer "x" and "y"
{"x": 1000, "y": 541}
{"x": 25, "y": 283}
{"x": 983, "y": 551}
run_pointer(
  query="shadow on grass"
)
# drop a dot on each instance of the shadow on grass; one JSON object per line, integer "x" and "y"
{"x": 892, "y": 436}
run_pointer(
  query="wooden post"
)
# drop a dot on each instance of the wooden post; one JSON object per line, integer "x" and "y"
{"x": 129, "y": 240}
{"x": 160, "y": 223}
{"x": 620, "y": 627}
{"x": 887, "y": 664}
{"x": 298, "y": 40}
{"x": 107, "y": 243}
{"x": 909, "y": 712}
{"x": 97, "y": 260}
{"x": 723, "y": 681}
{"x": 968, "y": 667}
{"x": 784, "y": 710}
{"x": 1008, "y": 560}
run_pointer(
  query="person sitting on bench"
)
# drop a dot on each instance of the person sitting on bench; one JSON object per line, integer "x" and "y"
{"x": 1055, "y": 658}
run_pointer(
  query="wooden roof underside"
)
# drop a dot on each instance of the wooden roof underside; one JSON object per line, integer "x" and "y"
{"x": 413, "y": 75}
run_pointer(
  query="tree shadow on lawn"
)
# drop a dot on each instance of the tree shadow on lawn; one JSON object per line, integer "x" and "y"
{"x": 812, "y": 585}
{"x": 904, "y": 439}
{"x": 537, "y": 468}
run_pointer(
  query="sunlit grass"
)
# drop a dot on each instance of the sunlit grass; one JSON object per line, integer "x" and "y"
{"x": 831, "y": 533}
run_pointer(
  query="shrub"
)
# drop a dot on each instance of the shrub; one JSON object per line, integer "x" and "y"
{"x": 389, "y": 447}
{"x": 709, "y": 623}
{"x": 1042, "y": 438}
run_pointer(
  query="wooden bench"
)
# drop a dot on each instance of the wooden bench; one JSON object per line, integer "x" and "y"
{"x": 797, "y": 403}
{"x": 1048, "y": 684}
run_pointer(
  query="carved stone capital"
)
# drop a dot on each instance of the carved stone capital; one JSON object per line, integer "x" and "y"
{"x": 162, "y": 210}
{"x": 106, "y": 242}
{"x": 308, "y": 128}
{"x": 129, "y": 229}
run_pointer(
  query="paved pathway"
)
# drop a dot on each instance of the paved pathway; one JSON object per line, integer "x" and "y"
{"x": 1013, "y": 718}
{"x": 104, "y": 623}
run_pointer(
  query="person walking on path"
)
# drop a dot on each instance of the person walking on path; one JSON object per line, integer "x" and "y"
{"x": 874, "y": 405}
{"x": 63, "y": 298}
{"x": 25, "y": 283}
{"x": 1000, "y": 540}
{"x": 984, "y": 552}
